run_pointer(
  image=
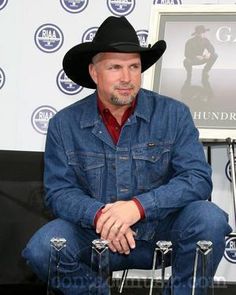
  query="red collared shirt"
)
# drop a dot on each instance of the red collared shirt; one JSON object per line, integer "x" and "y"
{"x": 114, "y": 129}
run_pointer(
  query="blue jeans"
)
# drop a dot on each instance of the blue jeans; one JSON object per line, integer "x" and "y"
{"x": 200, "y": 220}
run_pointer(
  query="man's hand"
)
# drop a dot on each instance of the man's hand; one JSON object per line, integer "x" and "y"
{"x": 124, "y": 244}
{"x": 200, "y": 57}
{"x": 115, "y": 222}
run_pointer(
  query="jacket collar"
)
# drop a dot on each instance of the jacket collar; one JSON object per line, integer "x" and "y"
{"x": 91, "y": 117}
{"x": 144, "y": 105}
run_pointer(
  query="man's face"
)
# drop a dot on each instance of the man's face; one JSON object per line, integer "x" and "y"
{"x": 118, "y": 77}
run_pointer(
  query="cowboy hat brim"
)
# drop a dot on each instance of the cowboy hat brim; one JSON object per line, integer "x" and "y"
{"x": 77, "y": 59}
{"x": 202, "y": 31}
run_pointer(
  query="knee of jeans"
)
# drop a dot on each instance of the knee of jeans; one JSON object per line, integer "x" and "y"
{"x": 37, "y": 254}
{"x": 209, "y": 219}
{"x": 215, "y": 55}
{"x": 36, "y": 250}
{"x": 186, "y": 62}
{"x": 39, "y": 246}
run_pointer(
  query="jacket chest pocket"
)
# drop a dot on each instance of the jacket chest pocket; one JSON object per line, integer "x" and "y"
{"x": 89, "y": 168}
{"x": 151, "y": 165}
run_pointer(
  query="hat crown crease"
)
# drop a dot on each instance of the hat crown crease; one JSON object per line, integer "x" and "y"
{"x": 116, "y": 30}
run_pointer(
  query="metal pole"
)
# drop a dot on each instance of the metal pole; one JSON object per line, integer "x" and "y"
{"x": 123, "y": 279}
{"x": 56, "y": 244}
{"x": 153, "y": 271}
{"x": 204, "y": 248}
{"x": 230, "y": 143}
{"x": 164, "y": 247}
{"x": 100, "y": 261}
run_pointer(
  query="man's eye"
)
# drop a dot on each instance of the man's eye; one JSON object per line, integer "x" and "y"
{"x": 135, "y": 66}
{"x": 115, "y": 67}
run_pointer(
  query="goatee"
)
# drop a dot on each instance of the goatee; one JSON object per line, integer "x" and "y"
{"x": 118, "y": 101}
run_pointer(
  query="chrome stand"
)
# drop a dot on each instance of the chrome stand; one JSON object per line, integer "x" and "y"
{"x": 231, "y": 155}
{"x": 123, "y": 279}
{"x": 100, "y": 263}
{"x": 56, "y": 245}
{"x": 164, "y": 247}
{"x": 203, "y": 250}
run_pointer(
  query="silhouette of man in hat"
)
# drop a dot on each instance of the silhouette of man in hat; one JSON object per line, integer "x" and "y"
{"x": 123, "y": 164}
{"x": 198, "y": 51}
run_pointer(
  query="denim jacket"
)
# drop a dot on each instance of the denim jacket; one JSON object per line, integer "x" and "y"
{"x": 158, "y": 159}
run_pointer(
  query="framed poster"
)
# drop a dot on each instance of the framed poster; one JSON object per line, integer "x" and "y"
{"x": 199, "y": 65}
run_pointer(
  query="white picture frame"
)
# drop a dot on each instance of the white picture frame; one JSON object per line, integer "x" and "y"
{"x": 213, "y": 109}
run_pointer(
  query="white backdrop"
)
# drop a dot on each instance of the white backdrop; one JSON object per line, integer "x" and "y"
{"x": 35, "y": 35}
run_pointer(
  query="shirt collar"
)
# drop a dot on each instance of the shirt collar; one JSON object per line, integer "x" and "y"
{"x": 142, "y": 109}
{"x": 103, "y": 110}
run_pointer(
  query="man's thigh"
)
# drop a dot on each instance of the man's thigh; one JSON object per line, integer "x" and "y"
{"x": 140, "y": 258}
{"x": 79, "y": 244}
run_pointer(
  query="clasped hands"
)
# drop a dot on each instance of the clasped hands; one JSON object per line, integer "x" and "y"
{"x": 114, "y": 225}
{"x": 204, "y": 56}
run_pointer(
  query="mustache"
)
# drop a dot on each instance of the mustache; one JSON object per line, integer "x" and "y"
{"x": 124, "y": 86}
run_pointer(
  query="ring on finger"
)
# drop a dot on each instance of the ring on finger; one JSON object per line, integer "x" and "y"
{"x": 117, "y": 228}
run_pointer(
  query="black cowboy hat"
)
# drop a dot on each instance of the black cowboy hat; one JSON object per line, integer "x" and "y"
{"x": 199, "y": 30}
{"x": 115, "y": 34}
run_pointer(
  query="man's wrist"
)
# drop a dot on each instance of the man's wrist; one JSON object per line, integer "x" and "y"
{"x": 140, "y": 208}
{"x": 98, "y": 214}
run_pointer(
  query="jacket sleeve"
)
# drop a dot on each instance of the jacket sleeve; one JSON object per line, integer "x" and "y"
{"x": 191, "y": 179}
{"x": 189, "y": 50}
{"x": 64, "y": 196}
{"x": 209, "y": 46}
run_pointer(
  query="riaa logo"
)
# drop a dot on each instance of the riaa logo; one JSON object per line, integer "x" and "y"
{"x": 121, "y": 7}
{"x": 66, "y": 85}
{"x": 40, "y": 118}
{"x": 48, "y": 38}
{"x": 2, "y": 78}
{"x": 3, "y": 3}
{"x": 230, "y": 249}
{"x": 74, "y": 6}
{"x": 228, "y": 169}
{"x": 167, "y": 2}
{"x": 142, "y": 36}
{"x": 89, "y": 34}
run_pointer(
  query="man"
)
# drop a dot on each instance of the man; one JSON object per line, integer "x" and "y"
{"x": 124, "y": 164}
{"x": 199, "y": 51}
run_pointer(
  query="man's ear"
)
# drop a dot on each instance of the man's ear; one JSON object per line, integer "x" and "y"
{"x": 93, "y": 72}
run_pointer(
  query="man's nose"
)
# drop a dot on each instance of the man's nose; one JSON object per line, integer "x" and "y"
{"x": 125, "y": 75}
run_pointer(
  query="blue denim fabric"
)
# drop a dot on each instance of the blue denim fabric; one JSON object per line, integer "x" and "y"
{"x": 158, "y": 159}
{"x": 200, "y": 220}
